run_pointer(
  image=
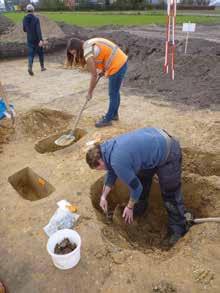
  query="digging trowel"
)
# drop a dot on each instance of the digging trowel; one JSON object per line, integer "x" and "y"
{"x": 191, "y": 220}
{"x": 69, "y": 138}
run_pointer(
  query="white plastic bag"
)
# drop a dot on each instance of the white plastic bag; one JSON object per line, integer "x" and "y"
{"x": 62, "y": 219}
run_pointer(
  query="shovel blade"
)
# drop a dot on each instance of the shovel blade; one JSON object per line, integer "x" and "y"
{"x": 65, "y": 140}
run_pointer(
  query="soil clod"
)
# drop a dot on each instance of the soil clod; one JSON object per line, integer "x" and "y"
{"x": 64, "y": 247}
{"x": 164, "y": 287}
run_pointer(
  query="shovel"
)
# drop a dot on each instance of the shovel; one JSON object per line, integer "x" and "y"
{"x": 69, "y": 138}
{"x": 190, "y": 219}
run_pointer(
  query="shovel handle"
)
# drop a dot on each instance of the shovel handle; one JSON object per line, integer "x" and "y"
{"x": 83, "y": 108}
{"x": 204, "y": 220}
{"x": 79, "y": 115}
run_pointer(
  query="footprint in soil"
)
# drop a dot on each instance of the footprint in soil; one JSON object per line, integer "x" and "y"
{"x": 164, "y": 287}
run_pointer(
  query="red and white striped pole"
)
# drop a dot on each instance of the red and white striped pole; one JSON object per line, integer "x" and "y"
{"x": 170, "y": 45}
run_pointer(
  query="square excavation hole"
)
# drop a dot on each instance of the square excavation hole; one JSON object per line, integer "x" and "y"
{"x": 30, "y": 185}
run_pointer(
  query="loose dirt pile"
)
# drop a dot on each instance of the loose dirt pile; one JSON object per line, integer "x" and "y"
{"x": 5, "y": 24}
{"x": 74, "y": 30}
{"x": 64, "y": 247}
{"x": 48, "y": 27}
{"x": 6, "y": 132}
{"x": 40, "y": 122}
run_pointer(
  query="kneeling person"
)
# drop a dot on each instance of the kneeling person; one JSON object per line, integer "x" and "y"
{"x": 134, "y": 158}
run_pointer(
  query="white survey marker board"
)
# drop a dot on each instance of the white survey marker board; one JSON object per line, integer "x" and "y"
{"x": 189, "y": 27}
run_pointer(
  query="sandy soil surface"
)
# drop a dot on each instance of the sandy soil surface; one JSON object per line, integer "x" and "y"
{"x": 115, "y": 257}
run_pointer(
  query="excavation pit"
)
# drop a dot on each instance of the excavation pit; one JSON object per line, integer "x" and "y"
{"x": 48, "y": 145}
{"x": 148, "y": 231}
{"x": 30, "y": 185}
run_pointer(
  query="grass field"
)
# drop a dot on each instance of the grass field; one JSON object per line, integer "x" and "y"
{"x": 100, "y": 19}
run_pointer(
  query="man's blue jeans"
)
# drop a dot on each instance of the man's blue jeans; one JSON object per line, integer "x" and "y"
{"x": 115, "y": 82}
{"x": 32, "y": 51}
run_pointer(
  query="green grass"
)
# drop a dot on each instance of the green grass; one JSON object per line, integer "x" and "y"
{"x": 90, "y": 19}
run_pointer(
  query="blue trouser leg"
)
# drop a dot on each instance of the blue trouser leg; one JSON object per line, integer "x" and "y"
{"x": 170, "y": 183}
{"x": 40, "y": 52}
{"x": 145, "y": 177}
{"x": 32, "y": 50}
{"x": 31, "y": 54}
{"x": 114, "y": 92}
{"x": 118, "y": 105}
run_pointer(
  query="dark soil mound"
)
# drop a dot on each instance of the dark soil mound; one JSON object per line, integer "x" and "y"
{"x": 74, "y": 31}
{"x": 5, "y": 24}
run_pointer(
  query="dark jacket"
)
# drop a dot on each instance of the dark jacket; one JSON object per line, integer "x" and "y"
{"x": 31, "y": 25}
{"x": 127, "y": 154}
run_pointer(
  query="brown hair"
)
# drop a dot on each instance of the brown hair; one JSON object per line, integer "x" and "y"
{"x": 78, "y": 58}
{"x": 93, "y": 156}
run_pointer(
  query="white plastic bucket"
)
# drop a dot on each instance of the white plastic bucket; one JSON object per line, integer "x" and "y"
{"x": 69, "y": 260}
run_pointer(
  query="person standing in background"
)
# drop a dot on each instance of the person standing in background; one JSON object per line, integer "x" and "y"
{"x": 31, "y": 26}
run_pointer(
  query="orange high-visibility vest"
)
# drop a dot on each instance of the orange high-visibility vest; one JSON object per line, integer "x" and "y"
{"x": 110, "y": 59}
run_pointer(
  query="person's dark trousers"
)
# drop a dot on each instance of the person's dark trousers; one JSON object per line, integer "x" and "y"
{"x": 145, "y": 177}
{"x": 115, "y": 82}
{"x": 169, "y": 175}
{"x": 32, "y": 51}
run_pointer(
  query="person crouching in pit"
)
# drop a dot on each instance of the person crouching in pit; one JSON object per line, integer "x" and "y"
{"x": 134, "y": 158}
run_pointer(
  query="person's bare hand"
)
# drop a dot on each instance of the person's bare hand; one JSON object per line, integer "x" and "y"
{"x": 41, "y": 43}
{"x": 128, "y": 215}
{"x": 103, "y": 204}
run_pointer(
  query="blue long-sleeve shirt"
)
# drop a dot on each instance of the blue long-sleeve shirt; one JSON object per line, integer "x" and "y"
{"x": 31, "y": 25}
{"x": 127, "y": 154}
